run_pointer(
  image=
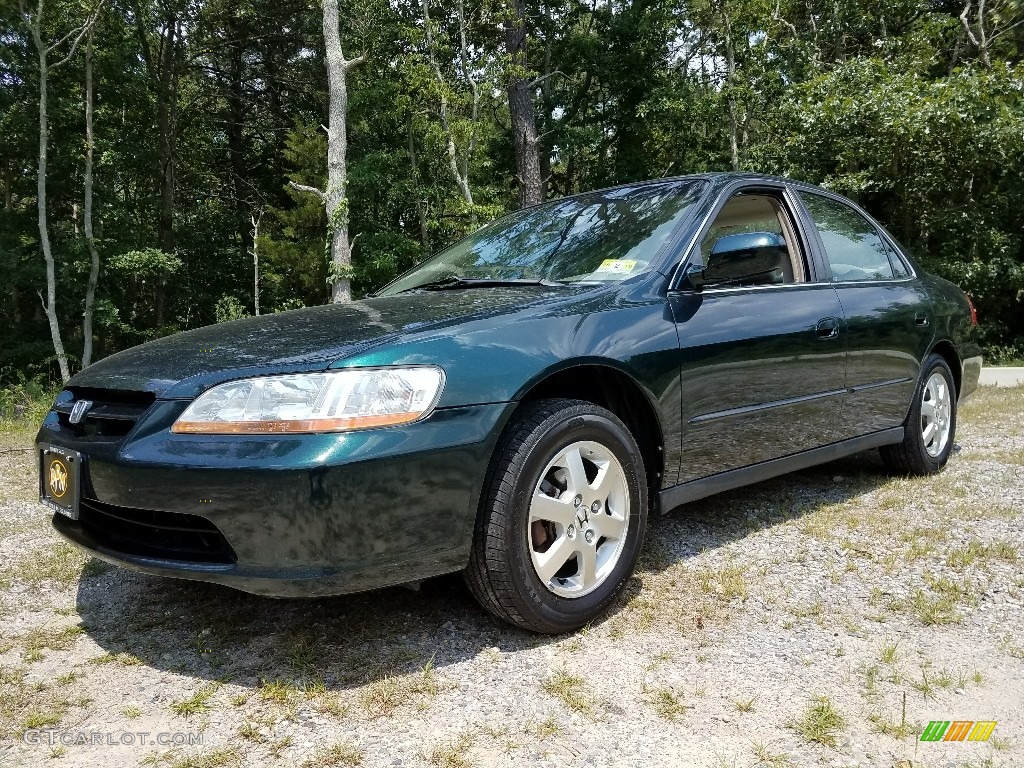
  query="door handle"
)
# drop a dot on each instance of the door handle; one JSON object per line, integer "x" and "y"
{"x": 921, "y": 320}
{"x": 827, "y": 328}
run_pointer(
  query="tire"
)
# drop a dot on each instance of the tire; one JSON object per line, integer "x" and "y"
{"x": 517, "y": 536}
{"x": 934, "y": 404}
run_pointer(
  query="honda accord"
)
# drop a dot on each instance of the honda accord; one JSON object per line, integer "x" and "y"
{"x": 517, "y": 405}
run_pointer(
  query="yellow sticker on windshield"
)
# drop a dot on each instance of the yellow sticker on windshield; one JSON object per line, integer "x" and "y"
{"x": 617, "y": 266}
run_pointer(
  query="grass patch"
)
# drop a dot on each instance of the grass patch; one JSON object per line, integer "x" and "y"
{"x": 546, "y": 728}
{"x": 767, "y": 758}
{"x": 940, "y": 604}
{"x": 453, "y": 753}
{"x": 974, "y": 551}
{"x": 889, "y": 652}
{"x": 383, "y": 696}
{"x": 196, "y": 704}
{"x": 728, "y": 582}
{"x": 820, "y": 723}
{"x": 123, "y": 659}
{"x": 217, "y": 758}
{"x": 336, "y": 756}
{"x": 900, "y": 730}
{"x": 571, "y": 691}
{"x": 666, "y": 703}
{"x": 59, "y": 565}
{"x": 744, "y": 705}
{"x": 35, "y": 641}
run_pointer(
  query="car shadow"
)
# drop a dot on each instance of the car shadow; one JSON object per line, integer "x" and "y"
{"x": 216, "y": 633}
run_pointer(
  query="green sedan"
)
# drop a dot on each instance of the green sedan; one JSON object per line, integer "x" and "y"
{"x": 516, "y": 406}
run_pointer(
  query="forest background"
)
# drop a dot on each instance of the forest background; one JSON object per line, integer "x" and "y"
{"x": 180, "y": 136}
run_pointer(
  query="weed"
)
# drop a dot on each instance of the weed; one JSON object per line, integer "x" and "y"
{"x": 569, "y": 689}
{"x": 335, "y": 756}
{"x": 820, "y": 722}
{"x": 197, "y": 703}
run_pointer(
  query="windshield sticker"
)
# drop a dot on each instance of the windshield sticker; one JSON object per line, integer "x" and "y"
{"x": 617, "y": 266}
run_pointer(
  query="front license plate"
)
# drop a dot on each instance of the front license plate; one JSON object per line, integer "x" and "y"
{"x": 60, "y": 477}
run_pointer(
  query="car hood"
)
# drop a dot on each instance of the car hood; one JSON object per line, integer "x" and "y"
{"x": 182, "y": 365}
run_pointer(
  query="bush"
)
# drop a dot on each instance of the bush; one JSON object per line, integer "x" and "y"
{"x": 25, "y": 401}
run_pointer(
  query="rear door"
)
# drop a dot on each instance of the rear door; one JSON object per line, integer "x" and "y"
{"x": 888, "y": 316}
{"x": 762, "y": 367}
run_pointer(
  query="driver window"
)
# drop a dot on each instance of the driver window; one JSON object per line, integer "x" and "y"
{"x": 776, "y": 260}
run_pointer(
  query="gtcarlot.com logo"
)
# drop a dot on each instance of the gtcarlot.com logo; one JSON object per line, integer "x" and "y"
{"x": 52, "y": 737}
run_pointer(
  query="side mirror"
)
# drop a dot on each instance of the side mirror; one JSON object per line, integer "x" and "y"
{"x": 746, "y": 241}
{"x": 747, "y": 258}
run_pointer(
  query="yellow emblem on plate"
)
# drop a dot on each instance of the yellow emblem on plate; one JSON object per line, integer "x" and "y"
{"x": 58, "y": 478}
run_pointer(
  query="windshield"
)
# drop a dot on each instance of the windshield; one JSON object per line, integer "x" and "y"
{"x": 598, "y": 237}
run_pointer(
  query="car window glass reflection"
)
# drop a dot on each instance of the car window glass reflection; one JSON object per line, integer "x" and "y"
{"x": 853, "y": 247}
{"x": 605, "y": 236}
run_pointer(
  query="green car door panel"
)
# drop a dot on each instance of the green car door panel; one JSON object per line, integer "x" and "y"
{"x": 757, "y": 375}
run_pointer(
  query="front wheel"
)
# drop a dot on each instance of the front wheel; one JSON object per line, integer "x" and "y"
{"x": 930, "y": 426}
{"x": 562, "y": 517}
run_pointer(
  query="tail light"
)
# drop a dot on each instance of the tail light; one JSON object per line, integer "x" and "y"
{"x": 974, "y": 312}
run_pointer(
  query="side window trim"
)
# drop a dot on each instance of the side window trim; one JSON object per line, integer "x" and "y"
{"x": 897, "y": 252}
{"x": 791, "y": 209}
{"x": 818, "y": 264}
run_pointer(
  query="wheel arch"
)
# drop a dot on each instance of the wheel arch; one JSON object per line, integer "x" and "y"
{"x": 947, "y": 351}
{"x": 609, "y": 387}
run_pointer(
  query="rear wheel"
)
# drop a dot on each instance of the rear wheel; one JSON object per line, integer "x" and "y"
{"x": 562, "y": 517}
{"x": 930, "y": 426}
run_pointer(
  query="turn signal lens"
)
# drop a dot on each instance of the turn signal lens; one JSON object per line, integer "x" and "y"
{"x": 330, "y": 401}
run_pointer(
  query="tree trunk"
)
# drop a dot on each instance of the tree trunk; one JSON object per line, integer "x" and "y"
{"x": 335, "y": 197}
{"x": 167, "y": 128}
{"x": 236, "y": 138}
{"x": 459, "y": 169}
{"x": 525, "y": 141}
{"x": 730, "y": 80}
{"x": 421, "y": 204}
{"x": 256, "y": 219}
{"x": 90, "y": 240}
{"x": 50, "y": 303}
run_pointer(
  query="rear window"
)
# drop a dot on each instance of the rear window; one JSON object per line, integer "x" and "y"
{"x": 854, "y": 248}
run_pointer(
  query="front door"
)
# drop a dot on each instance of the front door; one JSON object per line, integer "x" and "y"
{"x": 762, "y": 359}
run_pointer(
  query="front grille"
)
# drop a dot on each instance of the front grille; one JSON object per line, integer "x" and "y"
{"x": 112, "y": 414}
{"x": 147, "y": 533}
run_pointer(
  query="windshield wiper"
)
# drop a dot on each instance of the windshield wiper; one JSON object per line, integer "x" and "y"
{"x": 456, "y": 282}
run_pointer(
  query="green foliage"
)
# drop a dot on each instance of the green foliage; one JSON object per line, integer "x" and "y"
{"x": 24, "y": 400}
{"x": 229, "y": 308}
{"x": 891, "y": 103}
{"x": 938, "y": 159}
{"x": 147, "y": 263}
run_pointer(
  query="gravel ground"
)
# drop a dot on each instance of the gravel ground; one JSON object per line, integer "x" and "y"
{"x": 820, "y": 619}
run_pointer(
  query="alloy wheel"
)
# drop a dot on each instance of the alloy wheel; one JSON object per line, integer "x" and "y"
{"x": 578, "y": 517}
{"x": 936, "y": 420}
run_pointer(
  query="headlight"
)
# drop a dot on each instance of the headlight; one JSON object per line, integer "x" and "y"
{"x": 331, "y": 401}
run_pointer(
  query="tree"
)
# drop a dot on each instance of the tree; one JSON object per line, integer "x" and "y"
{"x": 525, "y": 140}
{"x": 72, "y": 39}
{"x": 90, "y": 237}
{"x": 335, "y": 197}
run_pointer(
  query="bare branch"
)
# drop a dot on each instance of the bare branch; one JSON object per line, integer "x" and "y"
{"x": 537, "y": 81}
{"x": 308, "y": 189}
{"x": 967, "y": 24}
{"x": 350, "y": 63}
{"x": 82, "y": 32}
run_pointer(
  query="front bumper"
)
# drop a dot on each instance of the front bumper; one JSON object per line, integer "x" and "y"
{"x": 302, "y": 515}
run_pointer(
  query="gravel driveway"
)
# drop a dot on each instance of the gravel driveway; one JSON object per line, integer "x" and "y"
{"x": 823, "y": 618}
